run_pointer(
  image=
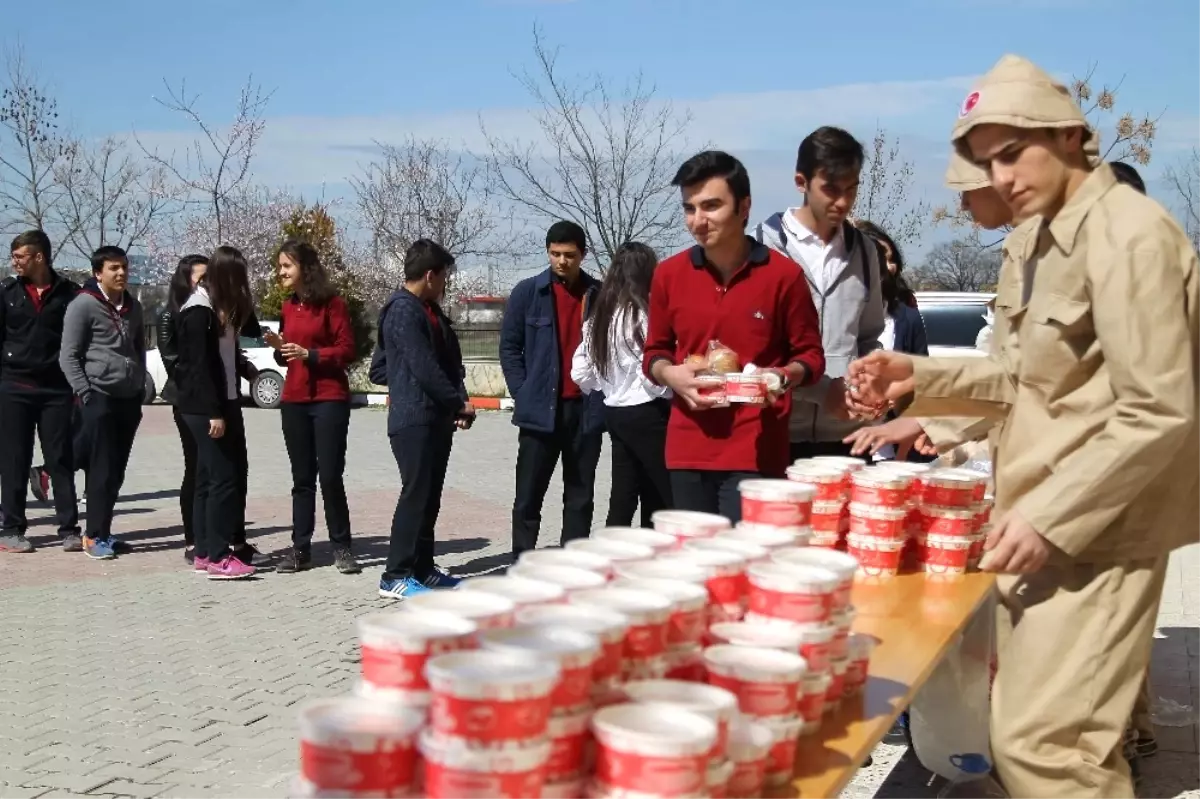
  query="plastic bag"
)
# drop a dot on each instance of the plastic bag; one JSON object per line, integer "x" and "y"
{"x": 721, "y": 359}
{"x": 950, "y": 715}
{"x": 1169, "y": 713}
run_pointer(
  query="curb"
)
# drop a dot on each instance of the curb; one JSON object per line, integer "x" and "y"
{"x": 480, "y": 403}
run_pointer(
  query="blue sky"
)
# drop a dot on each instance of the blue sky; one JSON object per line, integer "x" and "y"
{"x": 757, "y": 74}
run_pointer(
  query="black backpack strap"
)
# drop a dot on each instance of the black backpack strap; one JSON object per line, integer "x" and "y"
{"x": 870, "y": 253}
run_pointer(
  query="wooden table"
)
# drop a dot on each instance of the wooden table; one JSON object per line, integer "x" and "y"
{"x": 915, "y": 621}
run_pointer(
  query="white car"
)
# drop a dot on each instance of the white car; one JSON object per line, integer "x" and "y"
{"x": 266, "y": 390}
{"x": 953, "y": 321}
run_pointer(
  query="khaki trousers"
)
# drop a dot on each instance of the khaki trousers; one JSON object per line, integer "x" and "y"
{"x": 1074, "y": 644}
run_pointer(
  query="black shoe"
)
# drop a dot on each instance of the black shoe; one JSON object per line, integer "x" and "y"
{"x": 189, "y": 554}
{"x": 39, "y": 483}
{"x": 1146, "y": 746}
{"x": 249, "y": 554}
{"x": 292, "y": 561}
{"x": 16, "y": 543}
{"x": 345, "y": 562}
{"x": 72, "y": 542}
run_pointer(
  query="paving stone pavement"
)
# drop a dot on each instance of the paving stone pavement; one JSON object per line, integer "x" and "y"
{"x": 134, "y": 678}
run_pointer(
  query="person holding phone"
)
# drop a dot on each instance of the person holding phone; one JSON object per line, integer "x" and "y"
{"x": 316, "y": 344}
{"x": 207, "y": 398}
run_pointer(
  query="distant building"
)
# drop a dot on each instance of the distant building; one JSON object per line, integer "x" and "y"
{"x": 481, "y": 310}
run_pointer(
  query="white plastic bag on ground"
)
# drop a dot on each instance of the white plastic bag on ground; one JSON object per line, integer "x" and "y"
{"x": 949, "y": 716}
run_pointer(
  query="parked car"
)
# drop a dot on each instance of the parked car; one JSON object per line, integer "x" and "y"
{"x": 266, "y": 390}
{"x": 953, "y": 320}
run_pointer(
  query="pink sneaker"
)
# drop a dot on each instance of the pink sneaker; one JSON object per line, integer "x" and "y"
{"x": 200, "y": 565}
{"x": 230, "y": 569}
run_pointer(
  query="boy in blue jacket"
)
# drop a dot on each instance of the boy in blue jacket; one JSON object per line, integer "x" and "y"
{"x": 418, "y": 358}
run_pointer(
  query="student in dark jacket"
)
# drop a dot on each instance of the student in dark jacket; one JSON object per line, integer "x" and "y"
{"x": 34, "y": 393}
{"x": 207, "y": 397}
{"x": 187, "y": 275}
{"x": 316, "y": 343}
{"x": 543, "y": 326}
{"x": 417, "y": 356}
{"x": 104, "y": 359}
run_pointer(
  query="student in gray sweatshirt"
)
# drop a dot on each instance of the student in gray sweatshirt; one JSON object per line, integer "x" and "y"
{"x": 103, "y": 356}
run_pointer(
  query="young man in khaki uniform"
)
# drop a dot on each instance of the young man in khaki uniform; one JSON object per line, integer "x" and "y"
{"x": 1098, "y": 479}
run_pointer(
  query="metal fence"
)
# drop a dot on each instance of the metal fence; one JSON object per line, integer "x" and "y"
{"x": 479, "y": 343}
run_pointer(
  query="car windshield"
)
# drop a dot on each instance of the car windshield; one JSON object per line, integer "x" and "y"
{"x": 954, "y": 325}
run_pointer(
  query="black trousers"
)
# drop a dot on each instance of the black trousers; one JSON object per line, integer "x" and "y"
{"x": 639, "y": 468}
{"x": 537, "y": 455}
{"x": 422, "y": 455}
{"x": 709, "y": 492}
{"x": 21, "y": 414}
{"x": 235, "y": 432}
{"x": 220, "y": 505}
{"x": 109, "y": 426}
{"x": 187, "y": 489}
{"x": 315, "y": 436}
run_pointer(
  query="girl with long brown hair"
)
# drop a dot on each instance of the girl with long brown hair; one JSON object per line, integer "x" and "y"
{"x": 316, "y": 343}
{"x": 609, "y": 359}
{"x": 207, "y": 398}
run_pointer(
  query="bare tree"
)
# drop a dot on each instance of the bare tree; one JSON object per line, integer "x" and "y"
{"x": 1134, "y": 137}
{"x": 215, "y": 169}
{"x": 109, "y": 196}
{"x": 958, "y": 265}
{"x": 32, "y": 145}
{"x": 883, "y": 197}
{"x": 421, "y": 189}
{"x": 606, "y": 161}
{"x": 1184, "y": 180}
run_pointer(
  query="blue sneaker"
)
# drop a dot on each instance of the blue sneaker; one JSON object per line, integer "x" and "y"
{"x": 98, "y": 550}
{"x": 400, "y": 588}
{"x": 439, "y": 579}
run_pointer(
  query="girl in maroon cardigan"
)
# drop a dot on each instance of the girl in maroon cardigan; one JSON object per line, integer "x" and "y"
{"x": 316, "y": 343}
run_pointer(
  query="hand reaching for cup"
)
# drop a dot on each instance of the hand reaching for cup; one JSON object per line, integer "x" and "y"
{"x": 880, "y": 378}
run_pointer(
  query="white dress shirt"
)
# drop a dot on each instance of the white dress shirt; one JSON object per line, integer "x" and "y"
{"x": 626, "y": 384}
{"x": 823, "y": 262}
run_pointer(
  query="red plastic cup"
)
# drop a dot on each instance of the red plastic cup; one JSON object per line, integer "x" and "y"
{"x": 749, "y": 745}
{"x": 782, "y": 503}
{"x": 615, "y": 551}
{"x": 781, "y": 760}
{"x": 839, "y": 563}
{"x": 715, "y": 703}
{"x": 878, "y": 521}
{"x": 885, "y": 488}
{"x": 945, "y": 554}
{"x": 653, "y": 749}
{"x": 659, "y": 542}
{"x": 765, "y": 681}
{"x": 685, "y": 524}
{"x": 726, "y": 582}
{"x": 575, "y": 653}
{"x": 829, "y": 481}
{"x": 521, "y": 590}
{"x": 607, "y": 625}
{"x": 689, "y": 607}
{"x": 936, "y": 520}
{"x": 395, "y": 647}
{"x": 955, "y": 488}
{"x": 570, "y": 738}
{"x": 457, "y": 769}
{"x": 877, "y": 557}
{"x": 649, "y": 616}
{"x": 792, "y": 592}
{"x": 569, "y": 578}
{"x": 813, "y": 689}
{"x": 359, "y": 746}
{"x": 491, "y": 697}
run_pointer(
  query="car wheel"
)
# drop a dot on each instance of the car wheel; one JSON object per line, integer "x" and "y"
{"x": 149, "y": 391}
{"x": 267, "y": 390}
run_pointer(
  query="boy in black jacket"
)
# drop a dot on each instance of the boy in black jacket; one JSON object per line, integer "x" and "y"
{"x": 34, "y": 393}
{"x": 418, "y": 357}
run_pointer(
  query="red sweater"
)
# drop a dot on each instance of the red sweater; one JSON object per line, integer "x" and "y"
{"x": 765, "y": 314}
{"x": 568, "y": 310}
{"x": 325, "y": 331}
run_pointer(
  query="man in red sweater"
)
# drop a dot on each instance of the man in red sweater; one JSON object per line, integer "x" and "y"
{"x": 751, "y": 299}
{"x": 754, "y": 301}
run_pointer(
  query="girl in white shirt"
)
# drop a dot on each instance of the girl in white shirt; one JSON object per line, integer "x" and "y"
{"x": 609, "y": 360}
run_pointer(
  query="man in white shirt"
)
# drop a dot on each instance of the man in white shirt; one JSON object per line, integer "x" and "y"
{"x": 842, "y": 268}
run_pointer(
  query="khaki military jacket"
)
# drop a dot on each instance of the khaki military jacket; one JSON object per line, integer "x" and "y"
{"x": 946, "y": 433}
{"x": 1099, "y": 450}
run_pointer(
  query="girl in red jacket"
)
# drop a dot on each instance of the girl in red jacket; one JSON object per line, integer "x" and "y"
{"x": 316, "y": 343}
